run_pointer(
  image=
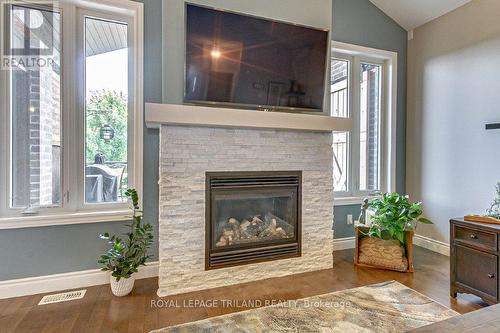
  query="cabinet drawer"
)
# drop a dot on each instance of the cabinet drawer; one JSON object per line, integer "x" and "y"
{"x": 476, "y": 269}
{"x": 482, "y": 239}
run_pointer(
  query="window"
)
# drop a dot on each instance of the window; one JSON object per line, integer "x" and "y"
{"x": 35, "y": 105}
{"x": 363, "y": 89}
{"x": 369, "y": 126}
{"x": 340, "y": 101}
{"x": 71, "y": 111}
{"x": 106, "y": 110}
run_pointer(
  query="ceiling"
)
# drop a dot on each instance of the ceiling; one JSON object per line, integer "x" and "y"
{"x": 104, "y": 36}
{"x": 411, "y": 14}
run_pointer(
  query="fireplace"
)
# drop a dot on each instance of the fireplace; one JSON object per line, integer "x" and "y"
{"x": 252, "y": 217}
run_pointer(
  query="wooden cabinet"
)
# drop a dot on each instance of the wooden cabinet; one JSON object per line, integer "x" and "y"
{"x": 474, "y": 259}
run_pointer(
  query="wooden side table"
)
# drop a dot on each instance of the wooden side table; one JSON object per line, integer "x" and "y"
{"x": 474, "y": 253}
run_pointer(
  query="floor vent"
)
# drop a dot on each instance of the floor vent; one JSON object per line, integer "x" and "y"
{"x": 63, "y": 297}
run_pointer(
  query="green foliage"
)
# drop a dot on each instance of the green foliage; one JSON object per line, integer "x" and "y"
{"x": 393, "y": 214}
{"x": 126, "y": 255}
{"x": 106, "y": 107}
{"x": 494, "y": 210}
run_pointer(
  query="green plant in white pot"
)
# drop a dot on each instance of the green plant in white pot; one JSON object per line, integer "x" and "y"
{"x": 126, "y": 255}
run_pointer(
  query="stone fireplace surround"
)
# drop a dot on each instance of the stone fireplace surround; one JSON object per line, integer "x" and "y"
{"x": 187, "y": 152}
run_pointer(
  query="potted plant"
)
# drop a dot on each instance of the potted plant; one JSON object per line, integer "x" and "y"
{"x": 389, "y": 235}
{"x": 126, "y": 255}
{"x": 494, "y": 211}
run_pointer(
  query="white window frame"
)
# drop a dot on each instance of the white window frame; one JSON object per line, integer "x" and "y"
{"x": 73, "y": 209}
{"x": 387, "y": 165}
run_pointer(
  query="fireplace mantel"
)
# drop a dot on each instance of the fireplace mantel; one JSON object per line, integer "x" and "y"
{"x": 190, "y": 115}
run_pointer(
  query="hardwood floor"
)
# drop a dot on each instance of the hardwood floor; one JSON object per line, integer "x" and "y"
{"x": 99, "y": 311}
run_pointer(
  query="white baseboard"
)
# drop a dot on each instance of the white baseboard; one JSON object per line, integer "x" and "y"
{"x": 425, "y": 242}
{"x": 95, "y": 277}
{"x": 343, "y": 243}
{"x": 63, "y": 281}
{"x": 432, "y": 244}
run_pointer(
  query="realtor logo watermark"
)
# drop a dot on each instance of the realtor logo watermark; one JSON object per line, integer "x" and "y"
{"x": 29, "y": 39}
{"x": 248, "y": 303}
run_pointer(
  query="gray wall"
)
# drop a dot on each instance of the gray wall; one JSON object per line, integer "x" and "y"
{"x": 58, "y": 249}
{"x": 453, "y": 162}
{"x": 361, "y": 22}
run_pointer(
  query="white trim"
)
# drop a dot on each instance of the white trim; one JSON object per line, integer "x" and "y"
{"x": 4, "y": 138}
{"x": 348, "y": 201}
{"x": 19, "y": 222}
{"x": 64, "y": 281}
{"x": 94, "y": 277}
{"x": 359, "y": 50}
{"x": 158, "y": 114}
{"x": 138, "y": 122}
{"x": 432, "y": 244}
{"x": 418, "y": 240}
{"x": 340, "y": 244}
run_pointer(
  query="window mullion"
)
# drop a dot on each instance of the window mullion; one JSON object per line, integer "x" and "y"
{"x": 80, "y": 108}
{"x": 355, "y": 164}
{"x": 70, "y": 75}
{"x": 5, "y": 158}
{"x": 384, "y": 139}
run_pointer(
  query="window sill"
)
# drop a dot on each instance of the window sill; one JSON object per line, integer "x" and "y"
{"x": 62, "y": 219}
{"x": 349, "y": 201}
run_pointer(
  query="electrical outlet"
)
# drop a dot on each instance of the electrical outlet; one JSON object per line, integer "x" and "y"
{"x": 349, "y": 219}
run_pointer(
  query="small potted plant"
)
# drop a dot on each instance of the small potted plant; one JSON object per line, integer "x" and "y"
{"x": 126, "y": 255}
{"x": 387, "y": 241}
{"x": 494, "y": 211}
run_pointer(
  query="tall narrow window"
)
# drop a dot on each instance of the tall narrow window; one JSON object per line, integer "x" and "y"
{"x": 35, "y": 108}
{"x": 362, "y": 90}
{"x": 106, "y": 111}
{"x": 340, "y": 108}
{"x": 369, "y": 122}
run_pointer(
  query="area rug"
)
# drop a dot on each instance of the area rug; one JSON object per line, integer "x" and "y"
{"x": 384, "y": 307}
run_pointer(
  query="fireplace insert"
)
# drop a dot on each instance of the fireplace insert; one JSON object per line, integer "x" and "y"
{"x": 252, "y": 217}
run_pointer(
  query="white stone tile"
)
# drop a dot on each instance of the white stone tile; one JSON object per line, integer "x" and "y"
{"x": 186, "y": 153}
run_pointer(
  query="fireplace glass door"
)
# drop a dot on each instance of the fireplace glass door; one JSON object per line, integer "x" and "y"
{"x": 252, "y": 217}
{"x": 243, "y": 218}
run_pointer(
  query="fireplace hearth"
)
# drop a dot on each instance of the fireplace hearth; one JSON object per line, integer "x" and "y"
{"x": 252, "y": 217}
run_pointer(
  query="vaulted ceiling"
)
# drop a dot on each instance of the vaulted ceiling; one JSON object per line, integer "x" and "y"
{"x": 411, "y": 14}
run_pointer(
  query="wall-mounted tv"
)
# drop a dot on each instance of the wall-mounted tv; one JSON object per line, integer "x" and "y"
{"x": 237, "y": 60}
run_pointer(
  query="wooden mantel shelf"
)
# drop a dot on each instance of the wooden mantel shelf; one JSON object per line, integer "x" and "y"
{"x": 190, "y": 115}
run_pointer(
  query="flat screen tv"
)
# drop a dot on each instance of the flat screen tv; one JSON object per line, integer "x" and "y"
{"x": 243, "y": 61}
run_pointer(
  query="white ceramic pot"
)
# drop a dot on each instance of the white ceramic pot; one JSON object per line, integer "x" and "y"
{"x": 122, "y": 287}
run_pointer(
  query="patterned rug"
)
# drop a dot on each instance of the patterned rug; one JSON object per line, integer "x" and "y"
{"x": 384, "y": 307}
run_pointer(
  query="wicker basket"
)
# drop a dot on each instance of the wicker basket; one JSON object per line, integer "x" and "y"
{"x": 360, "y": 231}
